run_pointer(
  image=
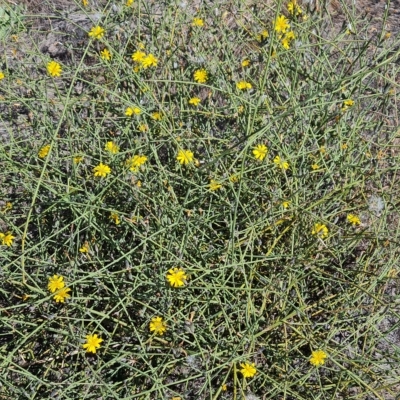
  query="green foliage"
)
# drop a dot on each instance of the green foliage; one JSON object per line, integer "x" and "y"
{"x": 11, "y": 20}
{"x": 261, "y": 287}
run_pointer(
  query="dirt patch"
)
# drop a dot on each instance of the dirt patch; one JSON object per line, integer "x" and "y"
{"x": 375, "y": 13}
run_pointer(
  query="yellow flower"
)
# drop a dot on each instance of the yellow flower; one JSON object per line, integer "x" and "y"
{"x": 143, "y": 128}
{"x": 248, "y": 370}
{"x": 97, "y": 32}
{"x": 392, "y": 273}
{"x": 318, "y": 357}
{"x": 2, "y": 76}
{"x": 85, "y": 2}
{"x": 136, "y": 162}
{"x": 105, "y": 55}
{"x": 84, "y": 248}
{"x": 290, "y": 35}
{"x": 243, "y": 85}
{"x": 158, "y": 326}
{"x": 136, "y": 110}
{"x": 157, "y": 116}
{"x": 353, "y": 219}
{"x": 194, "y": 101}
{"x": 114, "y": 216}
{"x": 55, "y": 283}
{"x": 344, "y": 146}
{"x": 77, "y": 159}
{"x": 260, "y": 151}
{"x": 44, "y": 151}
{"x": 234, "y": 178}
{"x": 92, "y": 343}
{"x": 138, "y": 56}
{"x": 281, "y": 24}
{"x": 294, "y": 8}
{"x": 185, "y": 156}
{"x": 176, "y": 277}
{"x": 245, "y": 62}
{"x": 197, "y": 22}
{"x": 101, "y": 170}
{"x": 262, "y": 36}
{"x": 6, "y": 238}
{"x": 214, "y": 185}
{"x": 112, "y": 147}
{"x": 61, "y": 295}
{"x": 6, "y": 208}
{"x": 132, "y": 110}
{"x": 315, "y": 166}
{"x": 321, "y": 230}
{"x": 285, "y": 204}
{"x": 129, "y": 3}
{"x": 200, "y": 75}
{"x": 54, "y": 68}
{"x": 285, "y": 43}
{"x": 347, "y": 104}
{"x": 281, "y": 163}
{"x": 149, "y": 61}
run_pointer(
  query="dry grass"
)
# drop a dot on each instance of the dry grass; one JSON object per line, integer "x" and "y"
{"x": 262, "y": 288}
